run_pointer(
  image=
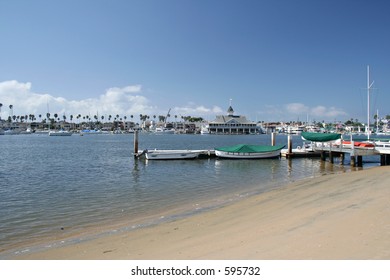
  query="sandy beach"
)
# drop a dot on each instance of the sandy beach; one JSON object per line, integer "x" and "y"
{"x": 340, "y": 216}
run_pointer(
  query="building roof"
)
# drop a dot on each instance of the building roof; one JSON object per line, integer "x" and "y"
{"x": 230, "y": 119}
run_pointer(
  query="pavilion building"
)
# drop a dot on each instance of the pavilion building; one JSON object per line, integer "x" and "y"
{"x": 232, "y": 124}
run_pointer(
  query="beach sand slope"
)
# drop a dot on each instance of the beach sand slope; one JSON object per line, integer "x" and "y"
{"x": 340, "y": 216}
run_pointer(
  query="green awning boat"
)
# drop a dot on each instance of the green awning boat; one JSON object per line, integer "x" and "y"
{"x": 248, "y": 151}
{"x": 320, "y": 137}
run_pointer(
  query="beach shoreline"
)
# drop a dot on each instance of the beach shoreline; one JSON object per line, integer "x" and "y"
{"x": 337, "y": 216}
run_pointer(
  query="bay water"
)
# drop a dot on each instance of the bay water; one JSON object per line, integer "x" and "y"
{"x": 58, "y": 190}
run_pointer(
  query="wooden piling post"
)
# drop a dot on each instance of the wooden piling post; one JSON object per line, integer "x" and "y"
{"x": 342, "y": 157}
{"x": 353, "y": 161}
{"x": 331, "y": 157}
{"x": 289, "y": 143}
{"x": 135, "y": 142}
{"x": 323, "y": 156}
{"x": 360, "y": 161}
{"x": 273, "y": 140}
{"x": 383, "y": 159}
{"x": 387, "y": 160}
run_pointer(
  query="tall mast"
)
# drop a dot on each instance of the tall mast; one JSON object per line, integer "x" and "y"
{"x": 368, "y": 101}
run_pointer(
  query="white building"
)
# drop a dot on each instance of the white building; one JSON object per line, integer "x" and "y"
{"x": 231, "y": 124}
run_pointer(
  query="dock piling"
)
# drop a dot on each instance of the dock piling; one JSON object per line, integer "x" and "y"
{"x": 135, "y": 143}
{"x": 353, "y": 161}
{"x": 359, "y": 161}
{"x": 289, "y": 143}
{"x": 273, "y": 140}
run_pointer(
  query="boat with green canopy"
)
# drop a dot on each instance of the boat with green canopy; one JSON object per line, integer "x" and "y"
{"x": 243, "y": 151}
{"x": 320, "y": 137}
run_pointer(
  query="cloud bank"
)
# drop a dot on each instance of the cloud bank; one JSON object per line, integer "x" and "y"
{"x": 130, "y": 100}
{"x": 302, "y": 112}
{"x": 125, "y": 101}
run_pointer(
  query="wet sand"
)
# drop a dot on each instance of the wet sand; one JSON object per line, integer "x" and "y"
{"x": 340, "y": 216}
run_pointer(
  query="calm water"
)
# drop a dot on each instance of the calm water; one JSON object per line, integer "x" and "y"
{"x": 52, "y": 189}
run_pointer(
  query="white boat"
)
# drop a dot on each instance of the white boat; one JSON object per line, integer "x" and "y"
{"x": 382, "y": 146}
{"x": 306, "y": 150}
{"x": 41, "y": 132}
{"x": 12, "y": 132}
{"x": 27, "y": 131}
{"x": 171, "y": 154}
{"x": 60, "y": 133}
{"x": 90, "y": 131}
{"x": 163, "y": 130}
{"x": 243, "y": 151}
{"x": 205, "y": 130}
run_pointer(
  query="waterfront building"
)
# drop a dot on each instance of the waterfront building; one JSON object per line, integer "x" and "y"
{"x": 232, "y": 124}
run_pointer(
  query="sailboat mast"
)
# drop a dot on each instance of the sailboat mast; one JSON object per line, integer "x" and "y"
{"x": 368, "y": 102}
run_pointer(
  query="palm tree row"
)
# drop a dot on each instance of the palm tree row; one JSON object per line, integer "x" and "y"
{"x": 55, "y": 117}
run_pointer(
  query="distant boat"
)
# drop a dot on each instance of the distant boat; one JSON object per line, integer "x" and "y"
{"x": 243, "y": 151}
{"x": 13, "y": 130}
{"x": 163, "y": 130}
{"x": 306, "y": 150}
{"x": 41, "y": 132}
{"x": 60, "y": 133}
{"x": 382, "y": 146}
{"x": 90, "y": 131}
{"x": 171, "y": 154}
{"x": 205, "y": 130}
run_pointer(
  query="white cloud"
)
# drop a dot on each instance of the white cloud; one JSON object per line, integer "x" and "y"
{"x": 294, "y": 111}
{"x": 197, "y": 110}
{"x": 324, "y": 112}
{"x": 296, "y": 108}
{"x": 127, "y": 101}
{"x": 123, "y": 101}
{"x": 318, "y": 112}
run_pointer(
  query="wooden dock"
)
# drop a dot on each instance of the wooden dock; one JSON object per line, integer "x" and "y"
{"x": 330, "y": 149}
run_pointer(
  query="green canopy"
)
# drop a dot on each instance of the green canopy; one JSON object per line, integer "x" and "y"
{"x": 242, "y": 148}
{"x": 320, "y": 137}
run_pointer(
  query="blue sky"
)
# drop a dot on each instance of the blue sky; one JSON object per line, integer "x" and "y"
{"x": 277, "y": 60}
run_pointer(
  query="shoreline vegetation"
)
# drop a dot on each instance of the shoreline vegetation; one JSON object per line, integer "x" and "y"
{"x": 336, "y": 216}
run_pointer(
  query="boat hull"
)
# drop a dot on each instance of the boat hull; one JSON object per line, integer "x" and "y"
{"x": 171, "y": 154}
{"x": 238, "y": 155}
{"x": 60, "y": 133}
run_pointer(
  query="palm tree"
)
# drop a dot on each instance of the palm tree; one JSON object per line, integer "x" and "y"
{"x": 11, "y": 111}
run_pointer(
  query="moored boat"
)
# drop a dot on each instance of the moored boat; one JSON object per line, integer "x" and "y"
{"x": 306, "y": 150}
{"x": 171, "y": 154}
{"x": 60, "y": 133}
{"x": 243, "y": 151}
{"x": 382, "y": 146}
{"x": 163, "y": 130}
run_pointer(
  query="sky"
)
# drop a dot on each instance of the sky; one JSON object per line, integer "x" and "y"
{"x": 272, "y": 60}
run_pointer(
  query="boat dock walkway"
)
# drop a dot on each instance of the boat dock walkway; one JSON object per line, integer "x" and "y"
{"x": 331, "y": 149}
{"x": 356, "y": 152}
